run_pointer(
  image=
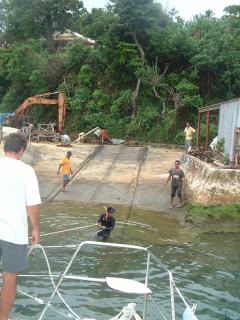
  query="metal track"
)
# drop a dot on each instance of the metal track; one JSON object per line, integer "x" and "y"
{"x": 108, "y": 172}
{"x": 132, "y": 185}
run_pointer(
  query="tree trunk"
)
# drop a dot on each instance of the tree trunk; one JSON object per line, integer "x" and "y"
{"x": 156, "y": 94}
{"x": 164, "y": 108}
{"x": 138, "y": 45}
{"x": 175, "y": 97}
{"x": 136, "y": 91}
{"x": 50, "y": 40}
{"x": 160, "y": 99}
{"x": 134, "y": 98}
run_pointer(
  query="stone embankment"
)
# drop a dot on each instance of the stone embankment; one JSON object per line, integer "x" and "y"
{"x": 210, "y": 185}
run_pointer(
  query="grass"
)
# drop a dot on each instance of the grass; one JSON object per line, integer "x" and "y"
{"x": 214, "y": 213}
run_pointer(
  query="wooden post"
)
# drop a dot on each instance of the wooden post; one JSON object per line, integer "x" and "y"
{"x": 198, "y": 128}
{"x": 1, "y": 134}
{"x": 235, "y": 147}
{"x": 207, "y": 130}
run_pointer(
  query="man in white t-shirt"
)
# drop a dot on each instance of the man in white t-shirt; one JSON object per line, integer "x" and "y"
{"x": 189, "y": 131}
{"x": 19, "y": 199}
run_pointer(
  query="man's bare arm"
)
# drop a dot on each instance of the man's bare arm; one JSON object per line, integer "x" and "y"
{"x": 168, "y": 178}
{"x": 33, "y": 213}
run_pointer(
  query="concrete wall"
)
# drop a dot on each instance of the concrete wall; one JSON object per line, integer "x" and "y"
{"x": 207, "y": 184}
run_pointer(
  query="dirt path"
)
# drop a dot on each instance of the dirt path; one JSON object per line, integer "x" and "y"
{"x": 108, "y": 175}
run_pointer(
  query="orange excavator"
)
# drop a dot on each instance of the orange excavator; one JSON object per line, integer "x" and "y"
{"x": 40, "y": 99}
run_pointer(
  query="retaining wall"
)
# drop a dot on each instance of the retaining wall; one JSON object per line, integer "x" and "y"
{"x": 207, "y": 184}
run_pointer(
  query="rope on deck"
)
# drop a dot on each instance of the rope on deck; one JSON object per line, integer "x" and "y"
{"x": 127, "y": 313}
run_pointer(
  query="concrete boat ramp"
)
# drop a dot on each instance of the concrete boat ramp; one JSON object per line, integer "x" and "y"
{"x": 109, "y": 175}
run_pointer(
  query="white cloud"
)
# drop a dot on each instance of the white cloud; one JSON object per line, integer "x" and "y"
{"x": 89, "y": 4}
{"x": 186, "y": 8}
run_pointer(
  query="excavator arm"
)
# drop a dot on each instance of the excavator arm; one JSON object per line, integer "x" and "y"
{"x": 39, "y": 99}
{"x": 62, "y": 107}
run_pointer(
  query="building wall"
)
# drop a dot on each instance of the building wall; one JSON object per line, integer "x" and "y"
{"x": 229, "y": 119}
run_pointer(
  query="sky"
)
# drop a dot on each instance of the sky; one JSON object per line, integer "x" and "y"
{"x": 186, "y": 8}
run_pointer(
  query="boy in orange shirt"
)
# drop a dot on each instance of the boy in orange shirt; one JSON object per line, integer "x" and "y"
{"x": 66, "y": 170}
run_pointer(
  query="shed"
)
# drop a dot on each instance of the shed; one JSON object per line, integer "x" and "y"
{"x": 228, "y": 125}
{"x": 63, "y": 38}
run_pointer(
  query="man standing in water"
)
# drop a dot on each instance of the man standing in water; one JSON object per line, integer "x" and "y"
{"x": 189, "y": 131}
{"x": 177, "y": 176}
{"x": 106, "y": 221}
{"x": 66, "y": 170}
{"x": 19, "y": 199}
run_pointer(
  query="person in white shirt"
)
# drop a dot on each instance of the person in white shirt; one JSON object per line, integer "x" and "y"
{"x": 19, "y": 199}
{"x": 189, "y": 131}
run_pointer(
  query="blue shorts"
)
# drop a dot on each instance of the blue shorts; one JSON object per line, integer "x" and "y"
{"x": 14, "y": 256}
{"x": 67, "y": 177}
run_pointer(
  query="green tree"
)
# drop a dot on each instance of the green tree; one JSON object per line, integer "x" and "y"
{"x": 136, "y": 18}
{"x": 100, "y": 25}
{"x": 40, "y": 18}
{"x": 2, "y": 20}
{"x": 5, "y": 56}
{"x": 216, "y": 58}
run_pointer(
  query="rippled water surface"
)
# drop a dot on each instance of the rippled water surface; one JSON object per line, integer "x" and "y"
{"x": 205, "y": 264}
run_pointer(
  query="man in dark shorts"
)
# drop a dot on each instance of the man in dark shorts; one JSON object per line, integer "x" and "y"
{"x": 19, "y": 199}
{"x": 177, "y": 176}
{"x": 106, "y": 221}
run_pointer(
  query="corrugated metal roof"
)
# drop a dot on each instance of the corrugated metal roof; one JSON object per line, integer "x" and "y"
{"x": 216, "y": 106}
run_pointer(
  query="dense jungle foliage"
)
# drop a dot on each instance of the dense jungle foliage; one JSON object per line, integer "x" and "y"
{"x": 147, "y": 74}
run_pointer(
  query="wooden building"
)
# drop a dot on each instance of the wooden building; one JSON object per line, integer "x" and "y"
{"x": 228, "y": 113}
{"x": 66, "y": 37}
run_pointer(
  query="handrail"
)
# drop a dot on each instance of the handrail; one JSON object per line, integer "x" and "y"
{"x": 150, "y": 257}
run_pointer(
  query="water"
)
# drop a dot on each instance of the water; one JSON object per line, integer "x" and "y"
{"x": 205, "y": 264}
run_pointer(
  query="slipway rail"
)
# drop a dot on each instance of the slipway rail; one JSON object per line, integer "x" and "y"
{"x": 119, "y": 152}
